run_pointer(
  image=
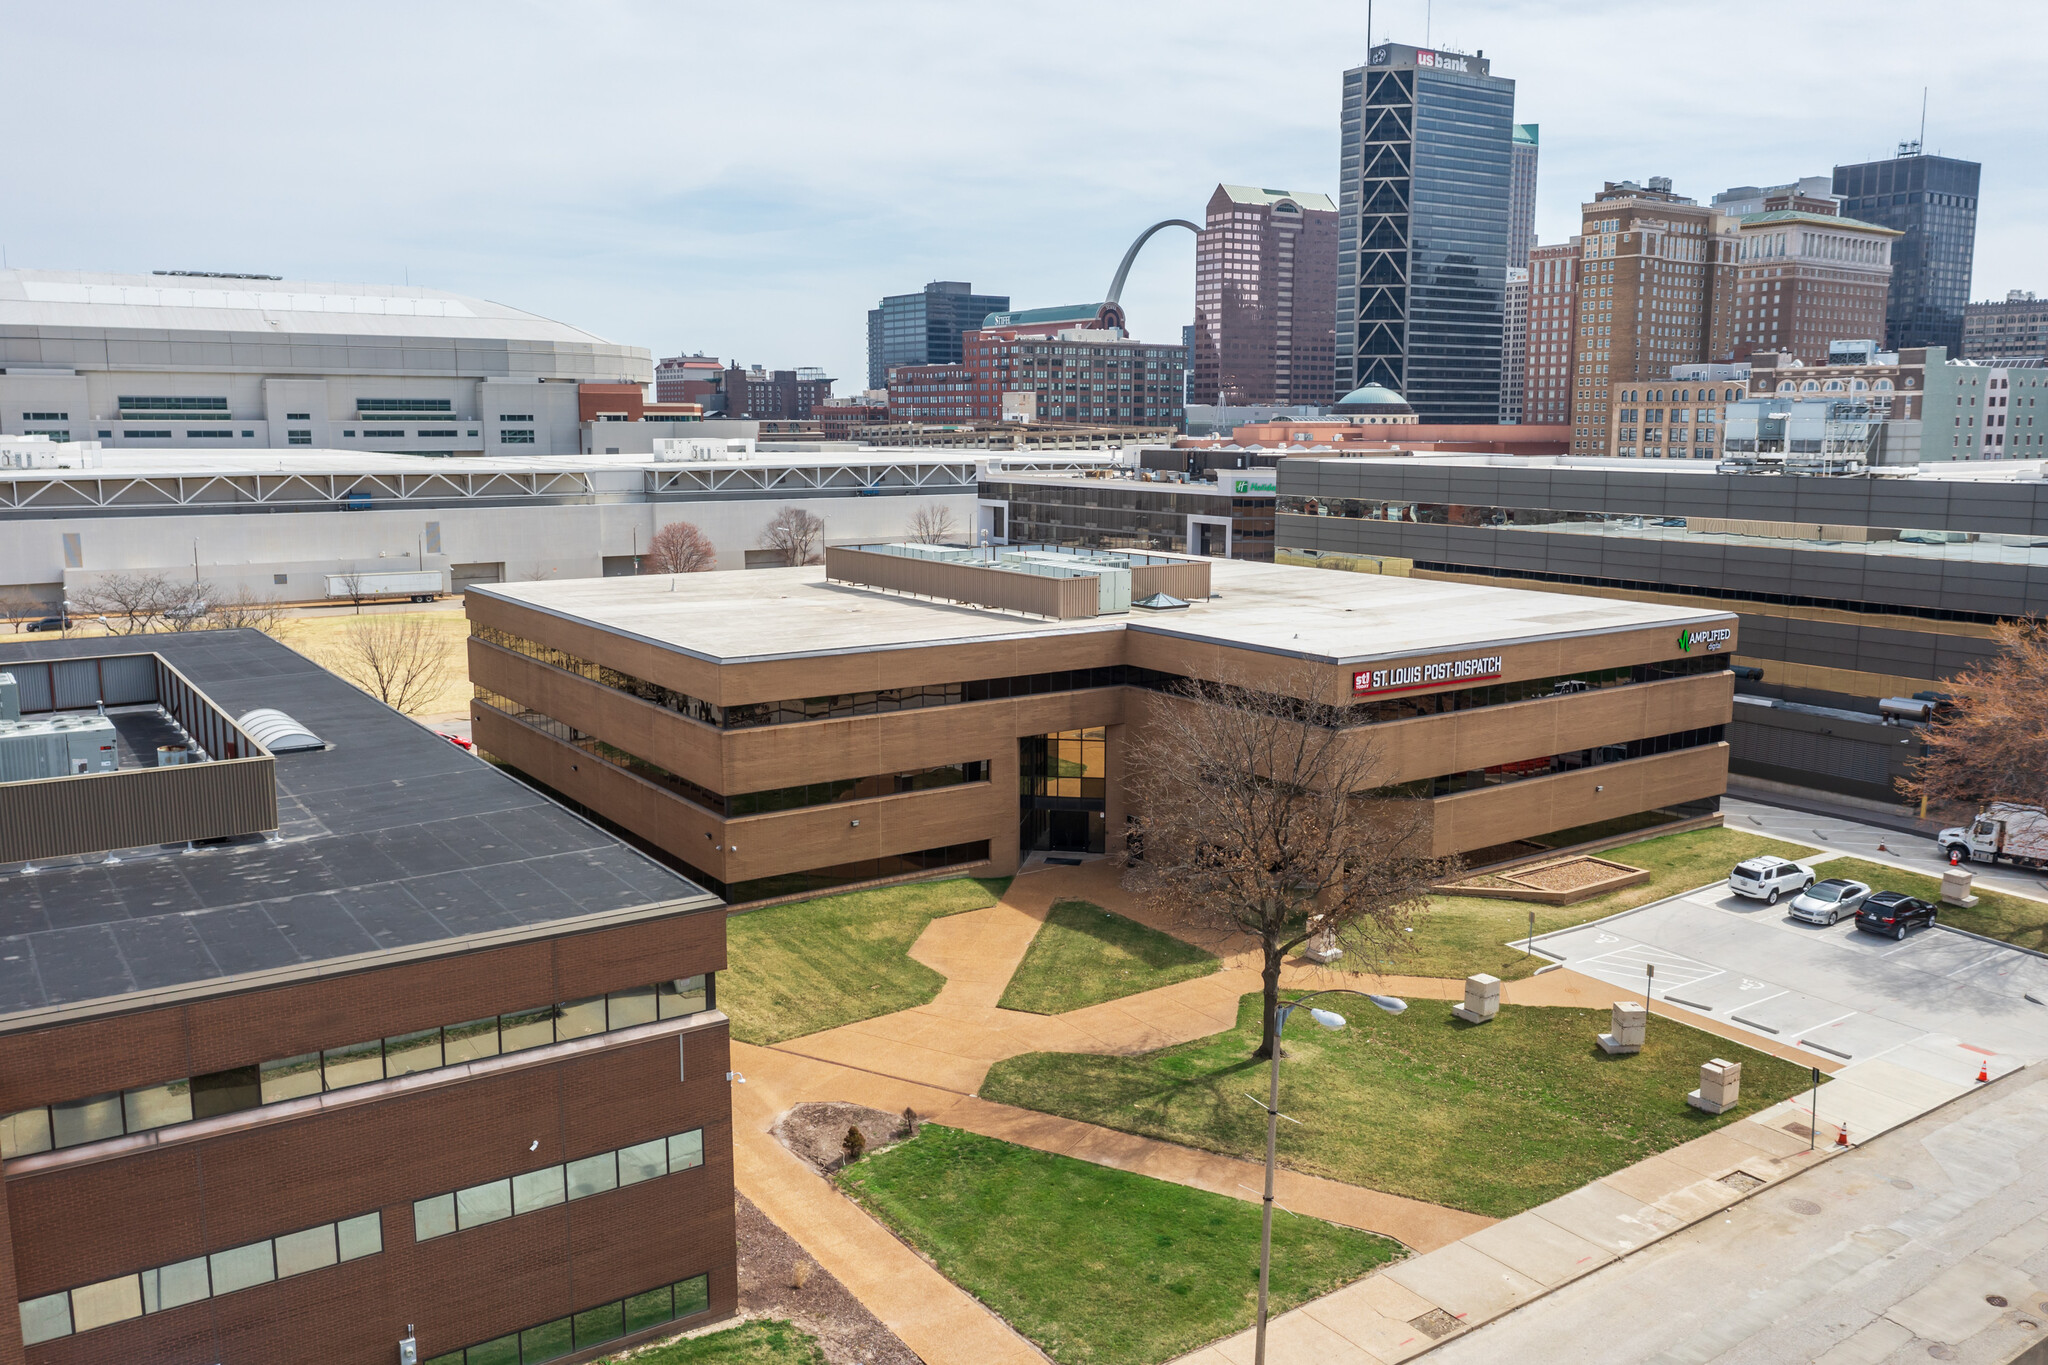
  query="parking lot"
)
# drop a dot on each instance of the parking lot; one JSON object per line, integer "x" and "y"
{"x": 1940, "y": 1003}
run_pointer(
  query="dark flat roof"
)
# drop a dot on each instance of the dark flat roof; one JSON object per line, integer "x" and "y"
{"x": 392, "y": 839}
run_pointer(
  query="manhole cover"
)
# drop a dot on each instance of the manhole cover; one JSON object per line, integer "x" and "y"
{"x": 2027, "y": 1323}
{"x": 1805, "y": 1206}
{"x": 1436, "y": 1323}
{"x": 1742, "y": 1182}
{"x": 1995, "y": 1300}
{"x": 1899, "y": 1184}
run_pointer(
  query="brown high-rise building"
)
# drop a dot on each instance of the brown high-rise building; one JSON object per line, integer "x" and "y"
{"x": 2013, "y": 330}
{"x": 1553, "y": 324}
{"x": 1650, "y": 265}
{"x": 1265, "y": 298}
{"x": 1801, "y": 280}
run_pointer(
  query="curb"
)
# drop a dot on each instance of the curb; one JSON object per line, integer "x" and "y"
{"x": 1830, "y": 1153}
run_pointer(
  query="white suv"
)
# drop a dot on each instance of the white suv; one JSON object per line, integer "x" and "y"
{"x": 1766, "y": 879}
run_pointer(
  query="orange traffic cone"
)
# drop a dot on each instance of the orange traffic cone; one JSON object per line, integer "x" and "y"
{"x": 1983, "y": 1071}
{"x": 1842, "y": 1136}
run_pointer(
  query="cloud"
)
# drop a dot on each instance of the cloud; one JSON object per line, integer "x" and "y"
{"x": 749, "y": 180}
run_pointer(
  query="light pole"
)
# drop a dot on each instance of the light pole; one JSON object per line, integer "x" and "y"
{"x": 1329, "y": 1020}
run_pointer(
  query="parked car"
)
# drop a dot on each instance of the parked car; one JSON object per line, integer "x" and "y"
{"x": 1828, "y": 901}
{"x": 187, "y": 611}
{"x": 457, "y": 740}
{"x": 1893, "y": 912}
{"x": 49, "y": 623}
{"x": 1768, "y": 878}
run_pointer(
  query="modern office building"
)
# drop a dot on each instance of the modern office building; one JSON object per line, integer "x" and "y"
{"x": 1514, "y": 350}
{"x": 1522, "y": 196}
{"x": 279, "y": 526}
{"x": 1650, "y": 282}
{"x": 1551, "y": 346}
{"x": 1932, "y": 200}
{"x": 1801, "y": 281}
{"x": 1265, "y": 282}
{"x": 166, "y": 362}
{"x": 1425, "y": 189}
{"x": 925, "y": 328}
{"x": 2016, "y": 329}
{"x": 1229, "y": 516}
{"x": 1850, "y": 589}
{"x": 328, "y": 1037}
{"x": 907, "y": 708}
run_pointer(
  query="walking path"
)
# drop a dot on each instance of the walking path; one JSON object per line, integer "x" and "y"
{"x": 933, "y": 1058}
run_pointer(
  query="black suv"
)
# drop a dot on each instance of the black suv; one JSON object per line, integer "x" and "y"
{"x": 1893, "y": 912}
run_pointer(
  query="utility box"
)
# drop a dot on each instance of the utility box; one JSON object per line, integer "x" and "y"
{"x": 1955, "y": 887}
{"x": 1627, "y": 1024}
{"x": 1482, "y": 999}
{"x": 1720, "y": 1087}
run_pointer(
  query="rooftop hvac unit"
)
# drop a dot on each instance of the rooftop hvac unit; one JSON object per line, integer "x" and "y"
{"x": 57, "y": 746}
{"x": 172, "y": 755}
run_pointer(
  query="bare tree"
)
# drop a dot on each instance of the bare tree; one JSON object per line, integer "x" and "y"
{"x": 679, "y": 547}
{"x": 355, "y": 586}
{"x": 1264, "y": 814}
{"x": 933, "y": 524}
{"x": 793, "y": 535}
{"x": 401, "y": 659}
{"x": 131, "y": 604}
{"x": 1994, "y": 745}
{"x": 537, "y": 572}
{"x": 245, "y": 610}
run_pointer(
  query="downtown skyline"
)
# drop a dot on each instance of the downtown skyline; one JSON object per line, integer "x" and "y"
{"x": 596, "y": 171}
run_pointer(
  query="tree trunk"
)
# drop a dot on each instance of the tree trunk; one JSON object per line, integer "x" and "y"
{"x": 1269, "y": 1042}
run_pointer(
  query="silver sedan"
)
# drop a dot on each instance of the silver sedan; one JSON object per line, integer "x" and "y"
{"x": 1825, "y": 902}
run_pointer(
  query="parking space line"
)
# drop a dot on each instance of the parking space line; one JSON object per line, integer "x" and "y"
{"x": 1968, "y": 966}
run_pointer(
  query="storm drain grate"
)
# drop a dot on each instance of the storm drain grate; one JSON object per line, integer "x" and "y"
{"x": 1436, "y": 1323}
{"x": 1742, "y": 1182}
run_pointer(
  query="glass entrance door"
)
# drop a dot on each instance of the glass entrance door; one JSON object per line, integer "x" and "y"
{"x": 1062, "y": 791}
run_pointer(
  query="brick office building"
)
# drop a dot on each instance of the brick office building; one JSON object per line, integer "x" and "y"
{"x": 1265, "y": 298}
{"x": 791, "y": 729}
{"x": 775, "y": 395}
{"x": 1800, "y": 281}
{"x": 1551, "y": 349}
{"x": 2015, "y": 329}
{"x": 1650, "y": 267}
{"x": 394, "y": 1044}
{"x": 1075, "y": 371}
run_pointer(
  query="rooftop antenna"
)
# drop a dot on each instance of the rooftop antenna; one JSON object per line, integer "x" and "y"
{"x": 1368, "y": 29}
{"x": 1922, "y": 147}
{"x": 1428, "y": 18}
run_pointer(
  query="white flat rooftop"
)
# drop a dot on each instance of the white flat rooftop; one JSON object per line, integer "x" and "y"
{"x": 194, "y": 462}
{"x": 754, "y": 615}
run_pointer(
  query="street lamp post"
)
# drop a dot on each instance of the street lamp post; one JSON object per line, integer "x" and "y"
{"x": 1329, "y": 1019}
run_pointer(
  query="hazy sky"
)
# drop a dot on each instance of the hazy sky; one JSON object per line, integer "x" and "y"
{"x": 748, "y": 180}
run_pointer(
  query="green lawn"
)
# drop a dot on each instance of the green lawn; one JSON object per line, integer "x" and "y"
{"x": 1494, "y": 1118}
{"x": 1084, "y": 955}
{"x": 810, "y": 965}
{"x": 2012, "y": 918}
{"x": 1460, "y": 935}
{"x": 750, "y": 1343}
{"x": 1095, "y": 1264}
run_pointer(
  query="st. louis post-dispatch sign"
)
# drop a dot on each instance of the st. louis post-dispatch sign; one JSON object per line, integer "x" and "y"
{"x": 1438, "y": 673}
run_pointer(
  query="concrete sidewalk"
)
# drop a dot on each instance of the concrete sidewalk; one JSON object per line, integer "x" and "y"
{"x": 1931, "y": 1242}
